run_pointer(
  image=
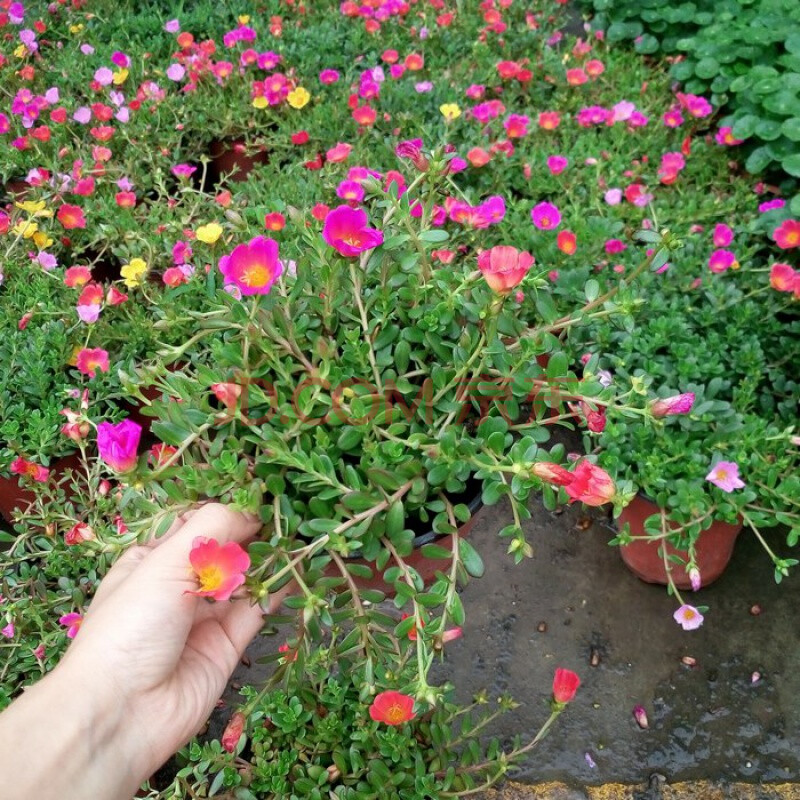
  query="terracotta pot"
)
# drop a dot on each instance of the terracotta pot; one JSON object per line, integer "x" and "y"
{"x": 713, "y": 549}
{"x": 426, "y": 567}
{"x": 13, "y": 496}
{"x": 231, "y": 156}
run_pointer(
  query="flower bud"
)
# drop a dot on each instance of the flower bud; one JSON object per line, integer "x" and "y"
{"x": 676, "y": 404}
{"x": 640, "y": 715}
{"x": 233, "y": 732}
{"x": 694, "y": 579}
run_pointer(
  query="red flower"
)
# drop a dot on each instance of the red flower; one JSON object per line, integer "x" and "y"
{"x": 565, "y": 684}
{"x": 393, "y": 708}
{"x": 567, "y": 242}
{"x": 590, "y": 484}
{"x": 219, "y": 568}
{"x": 71, "y": 216}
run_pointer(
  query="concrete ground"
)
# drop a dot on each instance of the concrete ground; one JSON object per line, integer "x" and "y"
{"x": 714, "y": 732}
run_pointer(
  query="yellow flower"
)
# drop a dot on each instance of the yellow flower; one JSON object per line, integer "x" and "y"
{"x": 42, "y": 240}
{"x": 25, "y": 228}
{"x": 260, "y": 102}
{"x": 298, "y": 97}
{"x": 119, "y": 77}
{"x": 209, "y": 233}
{"x": 36, "y": 208}
{"x": 244, "y": 19}
{"x": 21, "y": 51}
{"x": 76, "y": 28}
{"x": 133, "y": 272}
{"x": 450, "y": 111}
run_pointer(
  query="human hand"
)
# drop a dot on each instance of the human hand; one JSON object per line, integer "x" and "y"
{"x": 149, "y": 661}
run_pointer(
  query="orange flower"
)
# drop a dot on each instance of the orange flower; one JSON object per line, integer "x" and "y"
{"x": 567, "y": 242}
{"x": 219, "y": 568}
{"x": 71, "y": 216}
{"x": 393, "y": 708}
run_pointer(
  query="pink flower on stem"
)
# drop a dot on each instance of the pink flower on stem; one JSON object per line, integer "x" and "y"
{"x": 676, "y": 404}
{"x": 78, "y": 534}
{"x": 688, "y": 617}
{"x": 591, "y": 484}
{"x": 253, "y": 267}
{"x": 557, "y": 164}
{"x": 725, "y": 475}
{"x": 219, "y": 568}
{"x": 546, "y": 216}
{"x": 565, "y": 685}
{"x": 8, "y": 631}
{"x": 503, "y": 267}
{"x": 722, "y": 235}
{"x": 36, "y": 472}
{"x": 72, "y": 622}
{"x": 346, "y": 231}
{"x": 118, "y": 444}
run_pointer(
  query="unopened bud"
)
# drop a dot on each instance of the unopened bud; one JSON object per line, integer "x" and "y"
{"x": 233, "y": 732}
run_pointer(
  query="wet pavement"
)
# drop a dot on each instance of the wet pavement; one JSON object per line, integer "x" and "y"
{"x": 575, "y": 604}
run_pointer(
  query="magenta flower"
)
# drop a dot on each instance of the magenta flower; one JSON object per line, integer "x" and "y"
{"x": 72, "y": 622}
{"x": 725, "y": 475}
{"x": 118, "y": 443}
{"x": 722, "y": 260}
{"x": 253, "y": 267}
{"x": 688, "y": 617}
{"x": 346, "y": 231}
{"x": 557, "y": 164}
{"x": 676, "y": 404}
{"x": 8, "y": 631}
{"x": 722, "y": 236}
{"x": 546, "y": 216}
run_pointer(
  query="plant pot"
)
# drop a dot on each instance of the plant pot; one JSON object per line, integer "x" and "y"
{"x": 231, "y": 157}
{"x": 14, "y": 496}
{"x": 713, "y": 549}
{"x": 426, "y": 567}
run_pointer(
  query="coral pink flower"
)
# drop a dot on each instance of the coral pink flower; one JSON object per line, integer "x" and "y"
{"x": 79, "y": 533}
{"x": 546, "y": 216}
{"x": 688, "y": 617}
{"x": 676, "y": 404}
{"x": 591, "y": 484}
{"x": 725, "y": 475}
{"x": 274, "y": 221}
{"x": 724, "y": 136}
{"x": 503, "y": 267}
{"x": 516, "y": 126}
{"x": 346, "y": 231}
{"x": 722, "y": 260}
{"x": 77, "y": 276}
{"x": 71, "y": 216}
{"x": 787, "y": 234}
{"x": 253, "y": 267}
{"x": 90, "y": 302}
{"x": 549, "y": 120}
{"x": 393, "y": 708}
{"x": 722, "y": 236}
{"x": 219, "y": 568}
{"x": 89, "y": 360}
{"x": 552, "y": 473}
{"x": 784, "y": 278}
{"x": 36, "y": 472}
{"x": 72, "y": 622}
{"x": 235, "y": 727}
{"x": 565, "y": 685}
{"x": 567, "y": 242}
{"x": 227, "y": 393}
{"x": 118, "y": 443}
{"x": 339, "y": 152}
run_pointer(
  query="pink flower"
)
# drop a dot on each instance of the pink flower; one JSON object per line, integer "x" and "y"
{"x": 219, "y": 568}
{"x": 722, "y": 260}
{"x": 173, "y": 26}
{"x": 725, "y": 475}
{"x": 787, "y": 234}
{"x": 591, "y": 484}
{"x": 36, "y": 472}
{"x": 557, "y": 164}
{"x": 613, "y": 197}
{"x": 89, "y": 360}
{"x": 253, "y": 267}
{"x": 71, "y": 216}
{"x": 328, "y": 76}
{"x": 676, "y": 404}
{"x": 104, "y": 76}
{"x": 346, "y": 231}
{"x": 233, "y": 732}
{"x": 613, "y": 246}
{"x": 118, "y": 443}
{"x": 694, "y": 579}
{"x": 771, "y": 205}
{"x": 175, "y": 72}
{"x": 392, "y": 708}
{"x": 72, "y": 622}
{"x": 724, "y": 136}
{"x": 640, "y": 715}
{"x": 546, "y": 216}
{"x": 784, "y": 278}
{"x": 723, "y": 235}
{"x": 504, "y": 267}
{"x": 688, "y": 617}
{"x": 8, "y": 631}
{"x": 565, "y": 685}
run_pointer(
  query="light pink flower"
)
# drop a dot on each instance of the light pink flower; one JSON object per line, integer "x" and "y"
{"x": 503, "y": 267}
{"x": 8, "y": 631}
{"x": 725, "y": 475}
{"x": 688, "y": 617}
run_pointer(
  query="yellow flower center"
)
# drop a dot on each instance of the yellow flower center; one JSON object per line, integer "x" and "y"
{"x": 395, "y": 713}
{"x": 211, "y": 578}
{"x": 256, "y": 275}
